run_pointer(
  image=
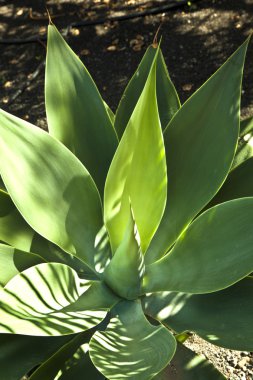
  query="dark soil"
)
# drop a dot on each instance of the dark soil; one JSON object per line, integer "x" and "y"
{"x": 197, "y": 39}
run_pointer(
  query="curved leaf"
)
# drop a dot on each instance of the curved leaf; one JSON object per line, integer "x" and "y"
{"x": 14, "y": 261}
{"x": 75, "y": 110}
{"x": 140, "y": 148}
{"x": 130, "y": 347}
{"x": 33, "y": 302}
{"x": 239, "y": 184}
{"x": 167, "y": 98}
{"x": 223, "y": 318}
{"x": 213, "y": 253}
{"x": 200, "y": 144}
{"x": 50, "y": 368}
{"x": 125, "y": 271}
{"x": 186, "y": 365}
{"x": 246, "y": 126}
{"x": 19, "y": 353}
{"x": 13, "y": 228}
{"x": 58, "y": 197}
{"x": 16, "y": 232}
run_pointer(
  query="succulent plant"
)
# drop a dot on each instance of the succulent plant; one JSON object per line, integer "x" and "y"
{"x": 121, "y": 233}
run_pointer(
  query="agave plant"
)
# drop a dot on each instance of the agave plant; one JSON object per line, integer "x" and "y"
{"x": 117, "y": 234}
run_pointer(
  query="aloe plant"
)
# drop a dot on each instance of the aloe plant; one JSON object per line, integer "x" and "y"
{"x": 117, "y": 233}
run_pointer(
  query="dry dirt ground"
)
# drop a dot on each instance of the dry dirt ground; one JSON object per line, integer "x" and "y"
{"x": 197, "y": 39}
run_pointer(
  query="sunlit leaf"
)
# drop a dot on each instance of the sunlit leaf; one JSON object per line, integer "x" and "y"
{"x": 125, "y": 271}
{"x": 58, "y": 197}
{"x": 168, "y": 101}
{"x": 213, "y": 253}
{"x": 130, "y": 347}
{"x": 75, "y": 110}
{"x": 186, "y": 365}
{"x": 140, "y": 147}
{"x": 223, "y": 318}
{"x": 19, "y": 353}
{"x": 200, "y": 144}
{"x": 33, "y": 302}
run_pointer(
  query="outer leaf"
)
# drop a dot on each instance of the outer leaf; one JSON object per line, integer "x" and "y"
{"x": 49, "y": 369}
{"x": 239, "y": 184}
{"x": 16, "y": 232}
{"x": 58, "y": 197}
{"x": 19, "y": 354}
{"x": 75, "y": 110}
{"x": 13, "y": 261}
{"x": 130, "y": 347}
{"x": 125, "y": 271}
{"x": 168, "y": 101}
{"x": 186, "y": 365}
{"x": 200, "y": 143}
{"x": 33, "y": 303}
{"x": 13, "y": 228}
{"x": 223, "y": 318}
{"x": 246, "y": 126}
{"x": 213, "y": 253}
{"x": 140, "y": 148}
{"x": 81, "y": 364}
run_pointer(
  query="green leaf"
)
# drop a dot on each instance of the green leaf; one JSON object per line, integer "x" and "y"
{"x": 110, "y": 113}
{"x": 16, "y": 232}
{"x": 50, "y": 368}
{"x": 50, "y": 187}
{"x": 19, "y": 354}
{"x": 13, "y": 228}
{"x": 130, "y": 347}
{"x": 239, "y": 184}
{"x": 141, "y": 147}
{"x": 125, "y": 271}
{"x": 168, "y": 101}
{"x": 80, "y": 365}
{"x": 14, "y": 261}
{"x": 75, "y": 110}
{"x": 200, "y": 143}
{"x": 246, "y": 126}
{"x": 186, "y": 365}
{"x": 33, "y": 302}
{"x": 213, "y": 253}
{"x": 223, "y": 318}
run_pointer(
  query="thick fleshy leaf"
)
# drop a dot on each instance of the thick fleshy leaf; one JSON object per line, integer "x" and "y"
{"x": 33, "y": 302}
{"x": 138, "y": 172}
{"x": 13, "y": 228}
{"x": 246, "y": 126}
{"x": 168, "y": 101}
{"x": 239, "y": 184}
{"x": 16, "y": 232}
{"x": 75, "y": 110}
{"x": 130, "y": 347}
{"x": 14, "y": 261}
{"x": 19, "y": 353}
{"x": 125, "y": 271}
{"x": 223, "y": 318}
{"x": 80, "y": 364}
{"x": 200, "y": 144}
{"x": 213, "y": 253}
{"x": 50, "y": 368}
{"x": 50, "y": 187}
{"x": 186, "y": 365}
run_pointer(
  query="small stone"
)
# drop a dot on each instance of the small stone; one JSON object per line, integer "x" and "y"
{"x": 242, "y": 363}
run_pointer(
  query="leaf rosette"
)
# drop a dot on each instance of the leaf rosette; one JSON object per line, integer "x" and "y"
{"x": 120, "y": 232}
